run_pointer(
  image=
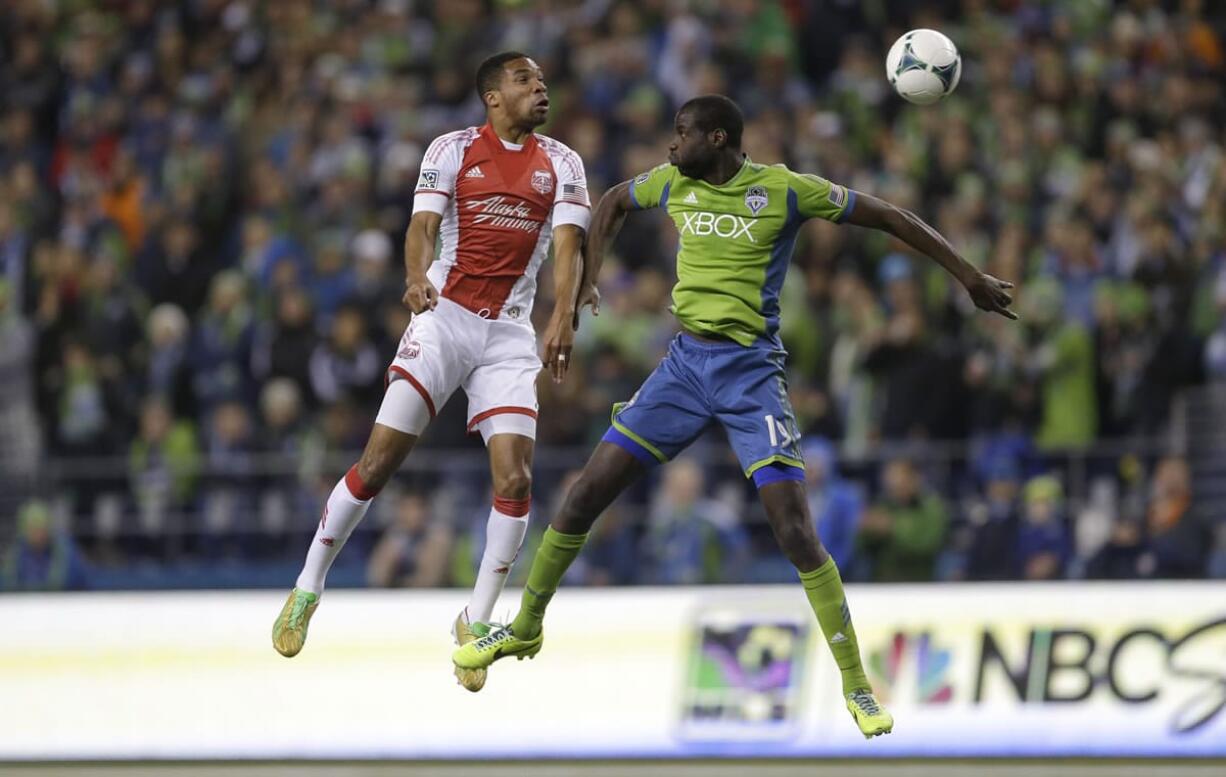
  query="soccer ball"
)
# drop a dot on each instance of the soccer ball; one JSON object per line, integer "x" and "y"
{"x": 923, "y": 66}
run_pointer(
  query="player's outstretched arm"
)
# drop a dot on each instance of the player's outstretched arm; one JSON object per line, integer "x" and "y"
{"x": 419, "y": 293}
{"x": 560, "y": 334}
{"x": 607, "y": 221}
{"x": 988, "y": 293}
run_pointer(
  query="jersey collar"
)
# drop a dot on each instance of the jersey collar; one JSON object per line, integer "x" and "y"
{"x": 740, "y": 172}
{"x": 735, "y": 176}
{"x": 495, "y": 142}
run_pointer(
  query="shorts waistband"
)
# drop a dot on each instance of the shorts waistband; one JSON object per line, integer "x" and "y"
{"x": 708, "y": 340}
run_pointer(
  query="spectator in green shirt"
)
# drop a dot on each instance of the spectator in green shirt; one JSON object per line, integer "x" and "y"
{"x": 904, "y": 530}
{"x": 1063, "y": 360}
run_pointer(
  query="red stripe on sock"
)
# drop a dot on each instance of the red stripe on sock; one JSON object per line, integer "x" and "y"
{"x": 354, "y": 483}
{"x": 514, "y": 508}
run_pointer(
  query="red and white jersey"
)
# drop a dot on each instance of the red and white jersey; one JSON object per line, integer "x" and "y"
{"x": 500, "y": 203}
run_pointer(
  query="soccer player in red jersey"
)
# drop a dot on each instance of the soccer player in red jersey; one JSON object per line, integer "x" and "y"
{"x": 496, "y": 195}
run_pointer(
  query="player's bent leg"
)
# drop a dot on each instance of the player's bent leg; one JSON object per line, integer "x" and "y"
{"x": 511, "y": 469}
{"x": 609, "y": 471}
{"x": 783, "y": 496}
{"x": 385, "y": 450}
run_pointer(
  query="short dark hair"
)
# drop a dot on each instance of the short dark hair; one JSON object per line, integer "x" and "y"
{"x": 714, "y": 111}
{"x": 490, "y": 71}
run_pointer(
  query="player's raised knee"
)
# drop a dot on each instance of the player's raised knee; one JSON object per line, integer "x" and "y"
{"x": 375, "y": 468}
{"x": 515, "y": 484}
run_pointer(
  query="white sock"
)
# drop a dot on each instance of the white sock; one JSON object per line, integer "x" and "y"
{"x": 503, "y": 536}
{"x": 341, "y": 516}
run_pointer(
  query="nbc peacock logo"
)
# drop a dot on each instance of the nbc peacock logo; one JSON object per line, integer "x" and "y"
{"x": 911, "y": 661}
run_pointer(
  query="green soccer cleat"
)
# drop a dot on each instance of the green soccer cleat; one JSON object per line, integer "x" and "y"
{"x": 501, "y": 642}
{"x": 873, "y": 719}
{"x": 464, "y": 633}
{"x": 290, "y": 629}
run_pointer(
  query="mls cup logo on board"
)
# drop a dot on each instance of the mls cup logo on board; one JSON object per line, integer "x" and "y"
{"x": 542, "y": 181}
{"x": 743, "y": 679}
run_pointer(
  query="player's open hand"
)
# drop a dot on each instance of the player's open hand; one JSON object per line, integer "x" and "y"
{"x": 559, "y": 340}
{"x": 991, "y": 294}
{"x": 420, "y": 296}
{"x": 589, "y": 296}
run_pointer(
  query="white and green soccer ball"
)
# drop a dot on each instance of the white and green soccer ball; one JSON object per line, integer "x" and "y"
{"x": 923, "y": 66}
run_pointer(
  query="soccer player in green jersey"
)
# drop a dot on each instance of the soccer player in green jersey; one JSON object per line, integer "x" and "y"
{"x": 737, "y": 222}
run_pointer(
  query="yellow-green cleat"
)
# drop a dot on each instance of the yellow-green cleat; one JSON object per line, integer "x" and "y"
{"x": 464, "y": 633}
{"x": 873, "y": 719}
{"x": 501, "y": 642}
{"x": 290, "y": 629}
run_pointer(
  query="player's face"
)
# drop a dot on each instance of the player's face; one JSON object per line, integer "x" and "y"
{"x": 691, "y": 150}
{"x": 523, "y": 94}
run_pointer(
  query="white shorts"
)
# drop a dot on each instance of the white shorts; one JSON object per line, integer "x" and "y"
{"x": 495, "y": 362}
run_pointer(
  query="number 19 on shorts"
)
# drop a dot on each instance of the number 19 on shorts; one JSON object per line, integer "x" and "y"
{"x": 779, "y": 434}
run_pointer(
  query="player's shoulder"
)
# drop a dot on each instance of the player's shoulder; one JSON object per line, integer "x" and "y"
{"x": 559, "y": 151}
{"x": 553, "y": 145}
{"x": 452, "y": 141}
{"x": 793, "y": 179}
{"x": 778, "y": 172}
{"x": 664, "y": 169}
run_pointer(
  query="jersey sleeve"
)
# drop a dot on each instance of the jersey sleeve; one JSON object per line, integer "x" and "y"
{"x": 651, "y": 188}
{"x": 439, "y": 167}
{"x": 818, "y": 198}
{"x": 570, "y": 203}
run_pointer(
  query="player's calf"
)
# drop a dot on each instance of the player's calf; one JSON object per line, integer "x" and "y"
{"x": 790, "y": 522}
{"x": 788, "y": 513}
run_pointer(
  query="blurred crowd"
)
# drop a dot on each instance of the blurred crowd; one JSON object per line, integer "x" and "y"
{"x": 202, "y": 208}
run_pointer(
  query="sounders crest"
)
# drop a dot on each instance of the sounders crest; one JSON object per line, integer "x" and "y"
{"x": 755, "y": 199}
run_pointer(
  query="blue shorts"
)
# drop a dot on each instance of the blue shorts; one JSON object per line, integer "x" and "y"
{"x": 699, "y": 383}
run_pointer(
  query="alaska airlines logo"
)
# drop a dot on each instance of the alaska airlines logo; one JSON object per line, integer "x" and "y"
{"x": 500, "y": 211}
{"x": 723, "y": 225}
{"x": 911, "y": 659}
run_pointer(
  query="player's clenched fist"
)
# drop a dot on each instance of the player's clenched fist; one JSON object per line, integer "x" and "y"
{"x": 420, "y": 295}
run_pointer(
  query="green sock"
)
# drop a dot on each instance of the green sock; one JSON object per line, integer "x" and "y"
{"x": 824, "y": 588}
{"x": 553, "y": 558}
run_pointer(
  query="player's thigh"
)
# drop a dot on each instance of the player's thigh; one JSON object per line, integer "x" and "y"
{"x": 433, "y": 356}
{"x": 667, "y": 413}
{"x": 751, "y": 403}
{"x": 609, "y": 471}
{"x": 501, "y": 388}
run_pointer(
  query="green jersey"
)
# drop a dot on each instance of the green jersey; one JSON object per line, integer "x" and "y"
{"x": 736, "y": 241}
